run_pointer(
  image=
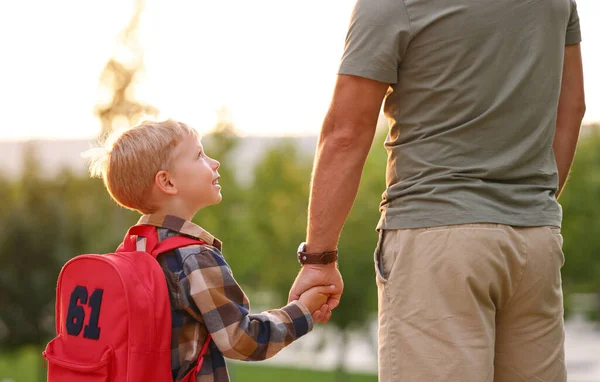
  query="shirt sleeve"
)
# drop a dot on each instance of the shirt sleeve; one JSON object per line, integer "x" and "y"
{"x": 224, "y": 307}
{"x": 377, "y": 39}
{"x": 573, "y": 29}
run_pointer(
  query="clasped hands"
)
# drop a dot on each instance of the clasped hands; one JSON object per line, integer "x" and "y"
{"x": 319, "y": 288}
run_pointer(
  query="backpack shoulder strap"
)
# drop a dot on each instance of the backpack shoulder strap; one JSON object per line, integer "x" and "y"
{"x": 200, "y": 359}
{"x": 153, "y": 246}
{"x": 174, "y": 242}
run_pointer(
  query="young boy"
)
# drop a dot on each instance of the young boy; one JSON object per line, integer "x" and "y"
{"x": 161, "y": 170}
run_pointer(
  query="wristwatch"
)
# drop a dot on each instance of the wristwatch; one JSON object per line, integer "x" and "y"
{"x": 316, "y": 258}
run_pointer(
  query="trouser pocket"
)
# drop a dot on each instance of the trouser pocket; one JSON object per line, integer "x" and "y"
{"x": 380, "y": 273}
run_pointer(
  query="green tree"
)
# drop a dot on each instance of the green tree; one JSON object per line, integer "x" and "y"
{"x": 276, "y": 219}
{"x": 226, "y": 219}
{"x": 277, "y": 204}
{"x": 33, "y": 246}
{"x": 119, "y": 77}
{"x": 49, "y": 221}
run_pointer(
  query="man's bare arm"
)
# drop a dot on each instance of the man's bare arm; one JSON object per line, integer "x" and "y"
{"x": 571, "y": 108}
{"x": 344, "y": 142}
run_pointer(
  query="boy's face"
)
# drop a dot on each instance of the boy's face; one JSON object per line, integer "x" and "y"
{"x": 195, "y": 175}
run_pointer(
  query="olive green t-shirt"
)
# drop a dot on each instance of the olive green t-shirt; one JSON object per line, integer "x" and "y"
{"x": 472, "y": 106}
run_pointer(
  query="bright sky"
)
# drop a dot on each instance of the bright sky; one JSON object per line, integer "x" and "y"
{"x": 272, "y": 63}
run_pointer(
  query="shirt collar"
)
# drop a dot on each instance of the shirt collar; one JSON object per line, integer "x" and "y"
{"x": 181, "y": 226}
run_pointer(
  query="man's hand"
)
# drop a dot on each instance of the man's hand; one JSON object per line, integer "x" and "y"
{"x": 312, "y": 275}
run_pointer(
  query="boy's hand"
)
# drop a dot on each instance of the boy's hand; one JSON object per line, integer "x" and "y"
{"x": 315, "y": 297}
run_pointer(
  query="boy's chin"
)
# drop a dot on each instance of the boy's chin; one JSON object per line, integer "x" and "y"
{"x": 213, "y": 202}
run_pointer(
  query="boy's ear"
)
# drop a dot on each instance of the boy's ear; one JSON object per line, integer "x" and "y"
{"x": 164, "y": 183}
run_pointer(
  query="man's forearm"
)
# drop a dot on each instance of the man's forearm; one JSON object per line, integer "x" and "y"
{"x": 571, "y": 108}
{"x": 565, "y": 142}
{"x": 344, "y": 143}
{"x": 336, "y": 176}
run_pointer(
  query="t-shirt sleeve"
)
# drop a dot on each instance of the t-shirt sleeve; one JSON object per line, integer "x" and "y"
{"x": 377, "y": 38}
{"x": 573, "y": 30}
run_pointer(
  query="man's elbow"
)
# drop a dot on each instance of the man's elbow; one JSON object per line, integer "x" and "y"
{"x": 338, "y": 142}
{"x": 580, "y": 108}
{"x": 347, "y": 137}
{"x": 578, "y": 104}
{"x": 573, "y": 110}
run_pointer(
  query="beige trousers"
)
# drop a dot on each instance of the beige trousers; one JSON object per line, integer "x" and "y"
{"x": 470, "y": 303}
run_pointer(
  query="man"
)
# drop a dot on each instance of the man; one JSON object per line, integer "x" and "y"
{"x": 482, "y": 137}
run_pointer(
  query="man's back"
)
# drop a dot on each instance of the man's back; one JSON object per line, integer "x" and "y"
{"x": 474, "y": 103}
{"x": 472, "y": 106}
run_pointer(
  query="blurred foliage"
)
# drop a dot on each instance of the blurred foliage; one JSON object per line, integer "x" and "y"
{"x": 46, "y": 221}
{"x": 581, "y": 209}
{"x": 277, "y": 205}
{"x": 43, "y": 223}
{"x": 119, "y": 76}
{"x": 262, "y": 224}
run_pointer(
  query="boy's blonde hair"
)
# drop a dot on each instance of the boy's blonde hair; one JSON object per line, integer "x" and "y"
{"x": 129, "y": 160}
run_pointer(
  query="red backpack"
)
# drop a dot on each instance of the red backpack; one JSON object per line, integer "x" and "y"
{"x": 113, "y": 316}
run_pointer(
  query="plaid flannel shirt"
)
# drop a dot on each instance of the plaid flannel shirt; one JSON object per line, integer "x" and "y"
{"x": 205, "y": 298}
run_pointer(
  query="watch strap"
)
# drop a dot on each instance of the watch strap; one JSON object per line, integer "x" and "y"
{"x": 318, "y": 258}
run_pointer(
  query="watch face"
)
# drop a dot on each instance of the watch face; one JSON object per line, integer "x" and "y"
{"x": 302, "y": 247}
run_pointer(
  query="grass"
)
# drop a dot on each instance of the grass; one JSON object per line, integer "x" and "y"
{"x": 255, "y": 372}
{"x": 27, "y": 365}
